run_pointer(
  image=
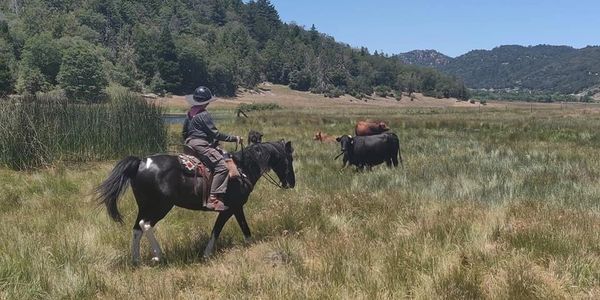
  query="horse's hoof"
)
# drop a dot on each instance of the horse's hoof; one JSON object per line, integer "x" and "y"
{"x": 248, "y": 240}
{"x": 155, "y": 259}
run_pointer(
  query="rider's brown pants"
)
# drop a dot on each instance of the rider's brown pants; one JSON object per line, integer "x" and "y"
{"x": 214, "y": 160}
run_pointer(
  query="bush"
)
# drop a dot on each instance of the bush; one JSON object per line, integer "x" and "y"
{"x": 383, "y": 91}
{"x": 300, "y": 80}
{"x": 334, "y": 93}
{"x": 258, "y": 107}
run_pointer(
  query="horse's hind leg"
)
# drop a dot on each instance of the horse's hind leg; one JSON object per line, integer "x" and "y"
{"x": 221, "y": 220}
{"x": 146, "y": 221}
{"x": 241, "y": 219}
{"x": 135, "y": 244}
{"x": 149, "y": 230}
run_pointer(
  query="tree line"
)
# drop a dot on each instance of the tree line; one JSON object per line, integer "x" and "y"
{"x": 173, "y": 46}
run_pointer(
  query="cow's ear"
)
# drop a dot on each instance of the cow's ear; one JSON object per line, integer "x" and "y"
{"x": 288, "y": 147}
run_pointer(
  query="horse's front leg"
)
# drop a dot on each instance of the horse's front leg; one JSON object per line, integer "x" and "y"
{"x": 221, "y": 220}
{"x": 241, "y": 219}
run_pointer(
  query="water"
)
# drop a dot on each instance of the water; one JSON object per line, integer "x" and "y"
{"x": 174, "y": 118}
{"x": 180, "y": 118}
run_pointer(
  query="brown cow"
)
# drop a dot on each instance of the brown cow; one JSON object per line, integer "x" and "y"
{"x": 324, "y": 137}
{"x": 370, "y": 128}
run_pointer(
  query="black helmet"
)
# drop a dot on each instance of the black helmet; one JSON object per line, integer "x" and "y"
{"x": 202, "y": 95}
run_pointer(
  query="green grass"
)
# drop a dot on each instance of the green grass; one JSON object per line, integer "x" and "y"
{"x": 499, "y": 204}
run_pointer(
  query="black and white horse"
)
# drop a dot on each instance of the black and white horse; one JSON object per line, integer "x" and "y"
{"x": 159, "y": 183}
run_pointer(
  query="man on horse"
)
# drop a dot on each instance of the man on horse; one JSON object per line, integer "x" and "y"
{"x": 201, "y": 134}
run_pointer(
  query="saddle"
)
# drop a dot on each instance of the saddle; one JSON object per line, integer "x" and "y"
{"x": 193, "y": 166}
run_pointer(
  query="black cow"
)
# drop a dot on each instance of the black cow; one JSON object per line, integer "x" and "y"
{"x": 372, "y": 150}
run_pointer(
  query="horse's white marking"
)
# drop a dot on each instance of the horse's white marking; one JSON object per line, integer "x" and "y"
{"x": 148, "y": 162}
{"x": 135, "y": 245}
{"x": 349, "y": 136}
{"x": 147, "y": 228}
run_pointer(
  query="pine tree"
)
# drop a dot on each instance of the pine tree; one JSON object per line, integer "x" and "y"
{"x": 6, "y": 81}
{"x": 81, "y": 74}
{"x": 167, "y": 62}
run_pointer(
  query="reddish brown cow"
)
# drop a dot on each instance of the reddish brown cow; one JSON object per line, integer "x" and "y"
{"x": 324, "y": 137}
{"x": 364, "y": 128}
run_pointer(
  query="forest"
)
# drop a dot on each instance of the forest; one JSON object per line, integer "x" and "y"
{"x": 78, "y": 48}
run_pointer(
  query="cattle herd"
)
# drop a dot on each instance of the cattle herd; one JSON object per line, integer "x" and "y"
{"x": 371, "y": 145}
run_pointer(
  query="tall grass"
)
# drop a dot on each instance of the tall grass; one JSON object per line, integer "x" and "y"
{"x": 41, "y": 130}
{"x": 498, "y": 205}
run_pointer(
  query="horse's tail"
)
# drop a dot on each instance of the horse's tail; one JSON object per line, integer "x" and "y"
{"x": 111, "y": 189}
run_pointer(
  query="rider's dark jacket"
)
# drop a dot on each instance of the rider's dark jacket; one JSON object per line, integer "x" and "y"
{"x": 200, "y": 125}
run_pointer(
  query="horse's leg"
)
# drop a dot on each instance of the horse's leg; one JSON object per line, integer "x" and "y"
{"x": 241, "y": 219}
{"x": 221, "y": 220}
{"x": 135, "y": 243}
{"x": 148, "y": 228}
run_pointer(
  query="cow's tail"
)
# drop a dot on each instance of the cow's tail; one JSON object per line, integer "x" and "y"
{"x": 395, "y": 148}
{"x": 111, "y": 189}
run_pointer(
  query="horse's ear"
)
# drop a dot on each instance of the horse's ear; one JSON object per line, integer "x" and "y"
{"x": 288, "y": 147}
{"x": 338, "y": 139}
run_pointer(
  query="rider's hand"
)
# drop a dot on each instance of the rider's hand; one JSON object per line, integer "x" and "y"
{"x": 240, "y": 139}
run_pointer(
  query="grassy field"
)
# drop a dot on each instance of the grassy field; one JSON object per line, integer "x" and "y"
{"x": 503, "y": 203}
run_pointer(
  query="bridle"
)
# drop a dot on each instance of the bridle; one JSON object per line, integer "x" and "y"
{"x": 271, "y": 180}
{"x": 265, "y": 175}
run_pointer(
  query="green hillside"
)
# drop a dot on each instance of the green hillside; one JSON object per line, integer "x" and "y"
{"x": 550, "y": 69}
{"x": 175, "y": 45}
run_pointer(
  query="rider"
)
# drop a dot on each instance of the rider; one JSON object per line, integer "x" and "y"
{"x": 201, "y": 134}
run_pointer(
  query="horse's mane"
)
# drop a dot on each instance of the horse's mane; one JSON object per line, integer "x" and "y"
{"x": 257, "y": 151}
{"x": 258, "y": 155}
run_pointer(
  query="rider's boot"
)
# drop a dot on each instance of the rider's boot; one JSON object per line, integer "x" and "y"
{"x": 216, "y": 203}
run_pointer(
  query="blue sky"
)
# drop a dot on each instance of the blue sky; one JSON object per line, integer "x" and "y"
{"x": 451, "y": 27}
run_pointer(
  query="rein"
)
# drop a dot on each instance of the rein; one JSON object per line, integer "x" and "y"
{"x": 270, "y": 179}
{"x": 338, "y": 156}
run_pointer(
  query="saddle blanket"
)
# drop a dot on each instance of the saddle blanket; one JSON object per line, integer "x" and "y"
{"x": 192, "y": 165}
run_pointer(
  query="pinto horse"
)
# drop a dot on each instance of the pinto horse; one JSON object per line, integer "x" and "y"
{"x": 159, "y": 183}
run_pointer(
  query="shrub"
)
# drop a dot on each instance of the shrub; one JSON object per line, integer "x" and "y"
{"x": 334, "y": 93}
{"x": 258, "y": 107}
{"x": 300, "y": 80}
{"x": 383, "y": 91}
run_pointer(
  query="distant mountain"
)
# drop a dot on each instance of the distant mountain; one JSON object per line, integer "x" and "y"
{"x": 547, "y": 68}
{"x": 425, "y": 58}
